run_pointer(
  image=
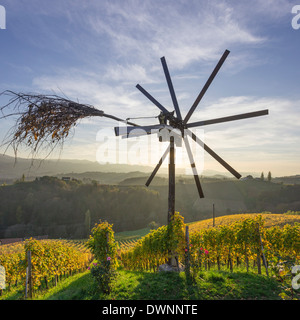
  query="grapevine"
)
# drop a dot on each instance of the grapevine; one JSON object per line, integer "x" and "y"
{"x": 50, "y": 259}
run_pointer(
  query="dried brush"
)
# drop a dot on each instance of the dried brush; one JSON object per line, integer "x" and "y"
{"x": 45, "y": 121}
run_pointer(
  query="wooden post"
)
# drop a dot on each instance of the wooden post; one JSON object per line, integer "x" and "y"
{"x": 230, "y": 261}
{"x": 106, "y": 247}
{"x": 246, "y": 258}
{"x": 173, "y": 260}
{"x": 258, "y": 263}
{"x": 28, "y": 284}
{"x": 262, "y": 251}
{"x": 187, "y": 240}
{"x": 213, "y": 214}
{"x": 171, "y": 199}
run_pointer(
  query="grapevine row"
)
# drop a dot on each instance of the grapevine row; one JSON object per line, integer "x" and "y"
{"x": 242, "y": 242}
{"x": 50, "y": 259}
{"x": 154, "y": 249}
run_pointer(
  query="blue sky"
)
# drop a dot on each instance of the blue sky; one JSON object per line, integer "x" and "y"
{"x": 97, "y": 51}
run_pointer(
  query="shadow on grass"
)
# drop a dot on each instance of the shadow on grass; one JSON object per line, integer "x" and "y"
{"x": 212, "y": 285}
{"x": 224, "y": 285}
{"x": 129, "y": 285}
{"x": 135, "y": 285}
{"x": 79, "y": 287}
{"x": 160, "y": 286}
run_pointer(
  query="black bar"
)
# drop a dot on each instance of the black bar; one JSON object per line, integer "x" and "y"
{"x": 193, "y": 165}
{"x": 153, "y": 100}
{"x": 207, "y": 84}
{"x": 230, "y": 118}
{"x": 118, "y": 119}
{"x": 127, "y": 130}
{"x": 171, "y": 88}
{"x": 214, "y": 155}
{"x": 171, "y": 198}
{"x": 157, "y": 167}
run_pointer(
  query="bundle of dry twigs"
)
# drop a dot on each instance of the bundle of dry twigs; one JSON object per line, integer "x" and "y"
{"x": 44, "y": 120}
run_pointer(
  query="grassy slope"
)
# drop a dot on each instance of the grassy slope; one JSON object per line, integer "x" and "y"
{"x": 131, "y": 235}
{"x": 134, "y": 285}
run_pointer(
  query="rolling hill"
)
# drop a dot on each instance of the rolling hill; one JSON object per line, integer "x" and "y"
{"x": 271, "y": 220}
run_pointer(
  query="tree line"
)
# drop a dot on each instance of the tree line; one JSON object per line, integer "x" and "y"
{"x": 269, "y": 176}
{"x": 69, "y": 209}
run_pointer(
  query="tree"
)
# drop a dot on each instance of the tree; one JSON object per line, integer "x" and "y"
{"x": 262, "y": 177}
{"x": 19, "y": 214}
{"x": 87, "y": 222}
{"x": 269, "y": 176}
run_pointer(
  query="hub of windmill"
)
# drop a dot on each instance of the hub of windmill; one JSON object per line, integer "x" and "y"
{"x": 165, "y": 134}
{"x": 173, "y": 128}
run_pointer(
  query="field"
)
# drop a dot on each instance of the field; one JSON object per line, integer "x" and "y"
{"x": 211, "y": 283}
{"x": 271, "y": 220}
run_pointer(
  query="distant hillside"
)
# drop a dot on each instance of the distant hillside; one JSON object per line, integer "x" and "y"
{"x": 11, "y": 168}
{"x": 288, "y": 180}
{"x": 112, "y": 178}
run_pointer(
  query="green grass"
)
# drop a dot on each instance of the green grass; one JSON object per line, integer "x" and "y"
{"x": 131, "y": 235}
{"x": 134, "y": 285}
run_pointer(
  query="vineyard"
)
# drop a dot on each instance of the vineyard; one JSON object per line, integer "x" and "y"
{"x": 51, "y": 260}
{"x": 241, "y": 241}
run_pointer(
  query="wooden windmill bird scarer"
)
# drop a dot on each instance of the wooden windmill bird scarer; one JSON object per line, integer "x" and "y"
{"x": 178, "y": 127}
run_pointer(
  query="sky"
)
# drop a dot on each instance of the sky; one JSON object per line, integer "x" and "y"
{"x": 95, "y": 52}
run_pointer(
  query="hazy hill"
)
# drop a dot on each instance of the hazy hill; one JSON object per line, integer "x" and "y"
{"x": 12, "y": 169}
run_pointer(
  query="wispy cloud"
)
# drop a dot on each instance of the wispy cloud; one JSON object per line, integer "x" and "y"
{"x": 184, "y": 33}
{"x": 136, "y": 34}
{"x": 96, "y": 51}
{"x": 272, "y": 133}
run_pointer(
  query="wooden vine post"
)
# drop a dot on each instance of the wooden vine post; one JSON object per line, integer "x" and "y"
{"x": 28, "y": 283}
{"x": 106, "y": 247}
{"x": 261, "y": 254}
{"x": 187, "y": 252}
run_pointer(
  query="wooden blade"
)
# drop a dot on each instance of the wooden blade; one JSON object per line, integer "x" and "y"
{"x": 207, "y": 84}
{"x": 157, "y": 166}
{"x": 171, "y": 88}
{"x": 153, "y": 100}
{"x": 193, "y": 166}
{"x": 230, "y": 118}
{"x": 213, "y": 154}
{"x": 118, "y": 119}
{"x": 140, "y": 130}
